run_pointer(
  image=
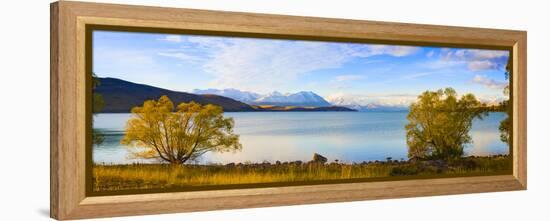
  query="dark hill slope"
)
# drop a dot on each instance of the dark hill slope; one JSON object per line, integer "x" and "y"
{"x": 120, "y": 96}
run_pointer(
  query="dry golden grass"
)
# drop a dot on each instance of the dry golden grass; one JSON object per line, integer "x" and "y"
{"x": 119, "y": 177}
{"x": 147, "y": 176}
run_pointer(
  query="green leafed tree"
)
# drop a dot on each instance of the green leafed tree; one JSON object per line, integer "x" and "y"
{"x": 156, "y": 131}
{"x": 97, "y": 105}
{"x": 439, "y": 123}
{"x": 505, "y": 125}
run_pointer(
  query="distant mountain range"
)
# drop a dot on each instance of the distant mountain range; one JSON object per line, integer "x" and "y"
{"x": 277, "y": 101}
{"x": 121, "y": 96}
{"x": 302, "y": 98}
{"x": 242, "y": 96}
{"x": 375, "y": 107}
{"x": 360, "y": 105}
{"x": 296, "y": 108}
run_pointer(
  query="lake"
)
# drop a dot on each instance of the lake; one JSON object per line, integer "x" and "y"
{"x": 289, "y": 136}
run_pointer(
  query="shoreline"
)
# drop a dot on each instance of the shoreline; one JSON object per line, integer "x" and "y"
{"x": 278, "y": 162}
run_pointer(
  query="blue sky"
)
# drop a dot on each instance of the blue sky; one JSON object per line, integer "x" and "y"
{"x": 389, "y": 74}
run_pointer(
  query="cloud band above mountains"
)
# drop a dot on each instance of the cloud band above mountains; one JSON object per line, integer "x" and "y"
{"x": 266, "y": 65}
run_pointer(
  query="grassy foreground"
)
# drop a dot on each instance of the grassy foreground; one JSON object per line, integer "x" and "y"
{"x": 152, "y": 176}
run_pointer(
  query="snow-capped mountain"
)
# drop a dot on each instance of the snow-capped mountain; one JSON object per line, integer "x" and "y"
{"x": 302, "y": 98}
{"x": 242, "y": 96}
{"x": 492, "y": 100}
{"x": 395, "y": 102}
{"x": 372, "y": 103}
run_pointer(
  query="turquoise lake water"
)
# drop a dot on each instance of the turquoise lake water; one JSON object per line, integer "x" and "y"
{"x": 289, "y": 136}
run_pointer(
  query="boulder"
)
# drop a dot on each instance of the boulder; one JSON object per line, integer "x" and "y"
{"x": 318, "y": 158}
{"x": 230, "y": 164}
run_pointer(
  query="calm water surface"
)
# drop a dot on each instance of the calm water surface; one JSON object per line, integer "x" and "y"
{"x": 290, "y": 136}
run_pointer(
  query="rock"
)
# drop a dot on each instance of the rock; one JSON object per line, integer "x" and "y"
{"x": 433, "y": 166}
{"x": 318, "y": 158}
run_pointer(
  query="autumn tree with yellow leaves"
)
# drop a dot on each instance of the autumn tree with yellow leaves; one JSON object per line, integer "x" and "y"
{"x": 439, "y": 123}
{"x": 157, "y": 131}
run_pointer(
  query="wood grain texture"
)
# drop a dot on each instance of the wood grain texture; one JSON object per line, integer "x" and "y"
{"x": 54, "y": 129}
{"x": 141, "y": 16}
{"x": 230, "y": 199}
{"x": 68, "y": 93}
{"x": 520, "y": 109}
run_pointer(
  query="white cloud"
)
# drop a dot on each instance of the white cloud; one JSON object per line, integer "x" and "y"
{"x": 485, "y": 54}
{"x": 349, "y": 77}
{"x": 139, "y": 66}
{"x": 121, "y": 57}
{"x": 375, "y": 49}
{"x": 180, "y": 55}
{"x": 442, "y": 64}
{"x": 481, "y": 65}
{"x": 171, "y": 38}
{"x": 483, "y": 80}
{"x": 266, "y": 65}
{"x": 417, "y": 75}
{"x": 397, "y": 51}
{"x": 475, "y": 59}
{"x": 430, "y": 54}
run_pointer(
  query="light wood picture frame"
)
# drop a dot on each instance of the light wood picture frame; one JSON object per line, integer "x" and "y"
{"x": 70, "y": 119}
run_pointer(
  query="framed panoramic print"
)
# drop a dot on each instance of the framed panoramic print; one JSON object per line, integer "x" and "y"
{"x": 158, "y": 110}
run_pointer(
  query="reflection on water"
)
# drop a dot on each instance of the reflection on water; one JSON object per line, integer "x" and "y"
{"x": 289, "y": 136}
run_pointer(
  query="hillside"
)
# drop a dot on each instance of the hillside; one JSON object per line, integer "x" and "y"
{"x": 120, "y": 96}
